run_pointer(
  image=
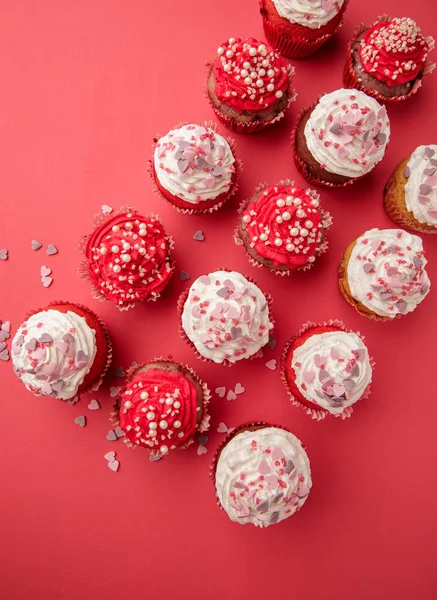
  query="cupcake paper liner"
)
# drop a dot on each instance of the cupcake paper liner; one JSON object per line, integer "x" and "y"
{"x": 301, "y": 164}
{"x": 200, "y": 427}
{"x": 254, "y": 126}
{"x": 82, "y": 269}
{"x": 196, "y": 211}
{"x": 96, "y": 385}
{"x": 180, "y": 308}
{"x": 295, "y": 47}
{"x": 319, "y": 414}
{"x": 326, "y": 223}
{"x": 350, "y": 78}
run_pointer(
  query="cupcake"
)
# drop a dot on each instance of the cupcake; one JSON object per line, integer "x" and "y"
{"x": 298, "y": 28}
{"x": 382, "y": 274}
{"x": 283, "y": 228}
{"x": 261, "y": 474}
{"x": 127, "y": 258}
{"x": 62, "y": 351}
{"x": 326, "y": 369}
{"x": 389, "y": 59}
{"x": 162, "y": 406}
{"x": 249, "y": 85}
{"x": 225, "y": 317}
{"x": 195, "y": 168}
{"x": 410, "y": 196}
{"x": 341, "y": 138}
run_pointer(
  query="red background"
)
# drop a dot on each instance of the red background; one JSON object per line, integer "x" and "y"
{"x": 85, "y": 86}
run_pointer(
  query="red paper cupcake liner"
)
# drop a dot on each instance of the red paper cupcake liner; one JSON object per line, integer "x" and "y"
{"x": 100, "y": 219}
{"x": 350, "y": 78}
{"x": 301, "y": 165}
{"x": 319, "y": 414}
{"x": 254, "y": 126}
{"x": 180, "y": 308}
{"x": 200, "y": 427}
{"x": 326, "y": 224}
{"x": 296, "y": 47}
{"x": 196, "y": 211}
{"x": 96, "y": 385}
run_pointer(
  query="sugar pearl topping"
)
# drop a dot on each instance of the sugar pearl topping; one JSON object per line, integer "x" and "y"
{"x": 194, "y": 163}
{"x": 347, "y": 132}
{"x": 249, "y": 75}
{"x": 308, "y": 13}
{"x": 129, "y": 258}
{"x": 386, "y": 271}
{"x": 332, "y": 369}
{"x": 421, "y": 187}
{"x": 285, "y": 225}
{"x": 262, "y": 476}
{"x": 395, "y": 51}
{"x": 52, "y": 352}
{"x": 226, "y": 317}
{"x": 158, "y": 410}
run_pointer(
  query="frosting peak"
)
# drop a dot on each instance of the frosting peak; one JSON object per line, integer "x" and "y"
{"x": 308, "y": 13}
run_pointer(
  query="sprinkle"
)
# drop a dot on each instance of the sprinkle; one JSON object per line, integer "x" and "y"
{"x": 223, "y": 428}
{"x": 199, "y": 236}
{"x": 51, "y": 249}
{"x": 3, "y": 254}
{"x": 94, "y": 405}
{"x": 106, "y": 210}
{"x": 111, "y": 436}
{"x": 36, "y": 245}
{"x": 220, "y": 391}
{"x": 271, "y": 364}
{"x": 81, "y": 421}
{"x": 184, "y": 276}
{"x": 120, "y": 372}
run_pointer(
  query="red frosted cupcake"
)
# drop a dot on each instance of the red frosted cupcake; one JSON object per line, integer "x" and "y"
{"x": 61, "y": 351}
{"x": 389, "y": 59}
{"x": 162, "y": 406}
{"x": 195, "y": 168}
{"x": 283, "y": 228}
{"x": 327, "y": 369}
{"x": 298, "y": 28}
{"x": 127, "y": 258}
{"x": 249, "y": 85}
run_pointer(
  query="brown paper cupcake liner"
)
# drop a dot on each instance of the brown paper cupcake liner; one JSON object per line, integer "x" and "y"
{"x": 326, "y": 223}
{"x": 350, "y": 78}
{"x": 82, "y": 269}
{"x": 226, "y": 363}
{"x": 319, "y": 414}
{"x": 301, "y": 165}
{"x": 96, "y": 385}
{"x": 200, "y": 427}
{"x": 196, "y": 211}
{"x": 254, "y": 126}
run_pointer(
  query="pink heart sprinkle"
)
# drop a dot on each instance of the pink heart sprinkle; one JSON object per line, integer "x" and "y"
{"x": 309, "y": 376}
{"x": 4, "y": 355}
{"x": 231, "y": 395}
{"x": 209, "y": 182}
{"x": 423, "y": 199}
{"x": 277, "y": 453}
{"x": 339, "y": 390}
{"x": 271, "y": 364}
{"x": 204, "y": 279}
{"x": 45, "y": 271}
{"x": 233, "y": 313}
{"x": 94, "y": 405}
{"x": 6, "y": 326}
{"x": 106, "y": 210}
{"x": 391, "y": 271}
{"x": 272, "y": 480}
{"x": 110, "y": 456}
{"x": 202, "y": 450}
{"x": 432, "y": 213}
{"x": 62, "y": 346}
{"x": 220, "y": 391}
{"x": 375, "y": 245}
{"x": 302, "y": 490}
{"x": 319, "y": 361}
{"x": 264, "y": 468}
{"x": 46, "y": 281}
{"x": 195, "y": 311}
{"x": 114, "y": 465}
{"x": 239, "y": 389}
{"x": 334, "y": 353}
{"x": 222, "y": 428}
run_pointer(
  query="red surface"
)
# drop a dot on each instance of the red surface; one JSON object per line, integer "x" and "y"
{"x": 85, "y": 86}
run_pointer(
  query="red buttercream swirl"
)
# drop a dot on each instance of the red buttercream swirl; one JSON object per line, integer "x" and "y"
{"x": 394, "y": 51}
{"x": 284, "y": 224}
{"x": 129, "y": 258}
{"x": 249, "y": 75}
{"x": 158, "y": 410}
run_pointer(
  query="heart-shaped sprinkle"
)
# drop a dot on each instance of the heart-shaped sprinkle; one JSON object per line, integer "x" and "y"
{"x": 113, "y": 391}
{"x": 195, "y": 311}
{"x": 289, "y": 466}
{"x": 154, "y": 458}
{"x": 6, "y": 326}
{"x": 45, "y": 339}
{"x": 220, "y": 391}
{"x": 272, "y": 480}
{"x": 120, "y": 372}
{"x": 31, "y": 344}
{"x": 223, "y": 292}
{"x": 425, "y": 189}
{"x": 361, "y": 353}
{"x": 239, "y": 389}
{"x": 51, "y": 249}
{"x": 62, "y": 346}
{"x": 81, "y": 421}
{"x": 309, "y": 376}
{"x": 106, "y": 210}
{"x": 423, "y": 199}
{"x": 277, "y": 453}
{"x": 233, "y": 313}
{"x": 2, "y": 346}
{"x": 263, "y": 507}
{"x": 302, "y": 490}
{"x": 94, "y": 405}
{"x": 199, "y": 236}
{"x": 204, "y": 279}
{"x": 111, "y": 436}
{"x": 339, "y": 390}
{"x": 45, "y": 271}
{"x": 203, "y": 439}
{"x": 4, "y": 335}
{"x": 3, "y": 254}
{"x": 73, "y": 400}
{"x": 46, "y": 281}
{"x": 323, "y": 375}
{"x": 231, "y": 395}
{"x": 182, "y": 165}
{"x": 114, "y": 465}
{"x": 349, "y": 384}
{"x": 327, "y": 5}
{"x": 36, "y": 245}
{"x": 109, "y": 456}
{"x": 319, "y": 361}
{"x": 271, "y": 344}
{"x": 119, "y": 432}
{"x": 402, "y": 306}
{"x": 368, "y": 267}
{"x": 222, "y": 428}
{"x": 429, "y": 152}
{"x": 57, "y": 385}
{"x": 355, "y": 371}
{"x": 4, "y": 355}
{"x": 407, "y": 172}
{"x": 264, "y": 468}
{"x": 202, "y": 450}
{"x": 235, "y": 332}
{"x": 184, "y": 276}
{"x": 67, "y": 337}
{"x": 271, "y": 364}
{"x": 432, "y": 213}
{"x": 430, "y": 171}
{"x": 81, "y": 357}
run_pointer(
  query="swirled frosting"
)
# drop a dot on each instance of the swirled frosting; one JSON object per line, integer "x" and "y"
{"x": 159, "y": 409}
{"x": 249, "y": 75}
{"x": 386, "y": 271}
{"x": 421, "y": 187}
{"x": 129, "y": 258}
{"x": 347, "y": 132}
{"x": 309, "y": 13}
{"x": 263, "y": 476}
{"x": 394, "y": 52}
{"x": 194, "y": 163}
{"x": 226, "y": 317}
{"x": 52, "y": 352}
{"x": 332, "y": 369}
{"x": 284, "y": 224}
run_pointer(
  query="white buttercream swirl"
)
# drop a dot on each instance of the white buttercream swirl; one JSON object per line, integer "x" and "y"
{"x": 309, "y": 13}
{"x": 262, "y": 476}
{"x": 386, "y": 271}
{"x": 194, "y": 163}
{"x": 421, "y": 187}
{"x": 332, "y": 369}
{"x": 52, "y": 352}
{"x": 226, "y": 317}
{"x": 347, "y": 132}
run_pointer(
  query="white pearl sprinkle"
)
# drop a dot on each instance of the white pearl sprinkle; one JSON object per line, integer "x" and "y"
{"x": 153, "y": 426}
{"x": 181, "y": 434}
{"x": 248, "y": 81}
{"x": 280, "y": 203}
{"x": 126, "y": 246}
{"x": 278, "y": 242}
{"x": 116, "y": 268}
{"x": 144, "y": 395}
{"x": 246, "y": 219}
{"x": 176, "y": 404}
{"x": 315, "y": 203}
{"x": 252, "y": 52}
{"x": 308, "y": 224}
{"x": 115, "y": 228}
{"x": 150, "y": 416}
{"x": 220, "y": 51}
{"x": 125, "y": 258}
{"x": 244, "y": 73}
{"x": 294, "y": 231}
{"x": 177, "y": 424}
{"x": 279, "y": 94}
{"x": 279, "y": 219}
{"x": 270, "y": 73}
{"x": 169, "y": 401}
{"x": 229, "y": 53}
{"x": 286, "y": 215}
{"x": 246, "y": 65}
{"x": 115, "y": 249}
{"x": 128, "y": 404}
{"x": 270, "y": 87}
{"x": 297, "y": 202}
{"x": 304, "y": 231}
{"x": 290, "y": 247}
{"x": 103, "y": 250}
{"x": 164, "y": 449}
{"x": 259, "y": 83}
{"x": 163, "y": 424}
{"x": 263, "y": 237}
{"x": 300, "y": 213}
